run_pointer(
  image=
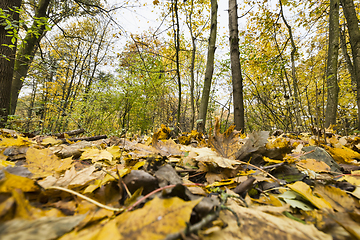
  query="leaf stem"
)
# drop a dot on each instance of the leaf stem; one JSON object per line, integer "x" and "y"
{"x": 87, "y": 199}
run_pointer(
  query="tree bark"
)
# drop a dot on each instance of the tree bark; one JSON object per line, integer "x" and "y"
{"x": 293, "y": 71}
{"x": 237, "y": 80}
{"x": 7, "y": 61}
{"x": 26, "y": 51}
{"x": 176, "y": 28}
{"x": 192, "y": 66}
{"x": 354, "y": 34}
{"x": 332, "y": 62}
{"x": 209, "y": 68}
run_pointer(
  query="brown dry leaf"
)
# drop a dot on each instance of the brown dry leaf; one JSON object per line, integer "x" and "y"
{"x": 206, "y": 155}
{"x": 43, "y": 163}
{"x": 305, "y": 191}
{"x": 11, "y": 182}
{"x": 226, "y": 144}
{"x": 344, "y": 220}
{"x": 43, "y": 228}
{"x": 71, "y": 178}
{"x": 338, "y": 198}
{"x": 256, "y": 141}
{"x": 73, "y": 150}
{"x": 167, "y": 147}
{"x": 156, "y": 219}
{"x": 256, "y": 224}
{"x": 313, "y": 165}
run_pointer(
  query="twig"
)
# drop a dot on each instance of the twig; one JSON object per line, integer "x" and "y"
{"x": 271, "y": 176}
{"x": 158, "y": 190}
{"x": 196, "y": 227}
{"x": 87, "y": 199}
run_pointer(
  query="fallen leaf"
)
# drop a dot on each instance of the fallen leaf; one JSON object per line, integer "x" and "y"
{"x": 305, "y": 191}
{"x": 18, "y": 141}
{"x": 97, "y": 155}
{"x": 43, "y": 163}
{"x": 226, "y": 144}
{"x": 71, "y": 178}
{"x": 50, "y": 141}
{"x": 156, "y": 219}
{"x": 4, "y": 163}
{"x": 312, "y": 164}
{"x": 256, "y": 141}
{"x": 25, "y": 210}
{"x": 343, "y": 154}
{"x": 43, "y": 228}
{"x": 259, "y": 225}
{"x": 338, "y": 198}
{"x": 167, "y": 147}
{"x": 11, "y": 182}
{"x": 206, "y": 155}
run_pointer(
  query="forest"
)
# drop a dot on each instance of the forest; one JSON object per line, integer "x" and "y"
{"x": 196, "y": 119}
{"x": 70, "y": 64}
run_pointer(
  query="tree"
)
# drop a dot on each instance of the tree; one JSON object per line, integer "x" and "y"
{"x": 209, "y": 68}
{"x": 354, "y": 34}
{"x": 9, "y": 11}
{"x": 26, "y": 51}
{"x": 44, "y": 9}
{"x": 237, "y": 80}
{"x": 332, "y": 64}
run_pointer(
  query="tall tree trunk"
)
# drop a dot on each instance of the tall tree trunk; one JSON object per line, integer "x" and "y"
{"x": 192, "y": 66}
{"x": 332, "y": 62}
{"x": 176, "y": 27}
{"x": 26, "y": 51}
{"x": 237, "y": 80}
{"x": 7, "y": 61}
{"x": 293, "y": 70}
{"x": 209, "y": 69}
{"x": 354, "y": 34}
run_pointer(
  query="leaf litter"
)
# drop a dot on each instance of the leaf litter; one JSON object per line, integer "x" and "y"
{"x": 229, "y": 186}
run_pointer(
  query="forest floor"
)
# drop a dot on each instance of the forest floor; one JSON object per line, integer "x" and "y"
{"x": 227, "y": 186}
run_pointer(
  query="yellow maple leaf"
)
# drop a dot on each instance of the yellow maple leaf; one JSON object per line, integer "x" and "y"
{"x": 50, "y": 141}
{"x": 115, "y": 151}
{"x": 343, "y": 154}
{"x": 19, "y": 141}
{"x": 43, "y": 163}
{"x": 97, "y": 155}
{"x": 11, "y": 182}
{"x": 156, "y": 2}
{"x": 312, "y": 164}
{"x": 305, "y": 191}
{"x": 25, "y": 210}
{"x": 156, "y": 219}
{"x": 4, "y": 163}
{"x": 338, "y": 198}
